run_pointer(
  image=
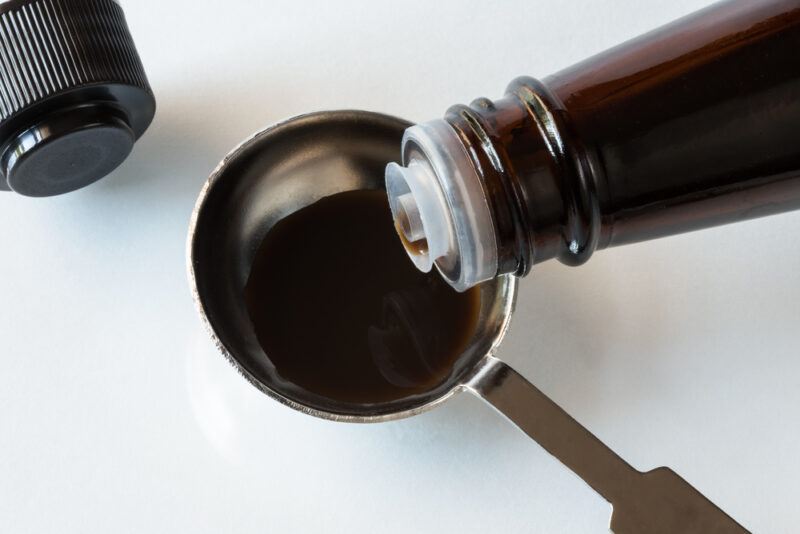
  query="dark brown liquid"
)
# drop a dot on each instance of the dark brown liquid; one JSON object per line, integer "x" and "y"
{"x": 418, "y": 247}
{"x": 341, "y": 311}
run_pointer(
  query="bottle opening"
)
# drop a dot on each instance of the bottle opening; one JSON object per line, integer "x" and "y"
{"x": 439, "y": 207}
{"x": 409, "y": 219}
{"x": 419, "y": 217}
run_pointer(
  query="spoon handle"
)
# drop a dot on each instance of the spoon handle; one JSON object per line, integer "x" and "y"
{"x": 658, "y": 501}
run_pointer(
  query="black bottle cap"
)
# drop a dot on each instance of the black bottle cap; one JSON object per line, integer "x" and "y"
{"x": 73, "y": 94}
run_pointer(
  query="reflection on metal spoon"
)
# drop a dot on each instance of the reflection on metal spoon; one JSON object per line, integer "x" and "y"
{"x": 404, "y": 345}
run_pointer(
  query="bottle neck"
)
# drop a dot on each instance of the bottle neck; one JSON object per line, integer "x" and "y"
{"x": 688, "y": 127}
{"x": 538, "y": 179}
{"x": 494, "y": 188}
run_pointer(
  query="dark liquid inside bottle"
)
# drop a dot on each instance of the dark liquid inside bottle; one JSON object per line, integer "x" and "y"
{"x": 693, "y": 125}
{"x": 341, "y": 312}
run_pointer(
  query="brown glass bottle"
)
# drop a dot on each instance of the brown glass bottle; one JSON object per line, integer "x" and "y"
{"x": 693, "y": 125}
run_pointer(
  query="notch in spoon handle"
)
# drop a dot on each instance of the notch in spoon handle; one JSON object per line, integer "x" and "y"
{"x": 658, "y": 501}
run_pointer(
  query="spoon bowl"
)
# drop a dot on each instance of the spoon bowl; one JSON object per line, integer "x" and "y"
{"x": 271, "y": 175}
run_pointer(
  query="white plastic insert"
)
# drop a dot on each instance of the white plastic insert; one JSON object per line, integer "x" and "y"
{"x": 439, "y": 207}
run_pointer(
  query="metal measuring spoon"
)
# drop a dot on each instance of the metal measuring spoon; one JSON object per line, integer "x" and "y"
{"x": 297, "y": 162}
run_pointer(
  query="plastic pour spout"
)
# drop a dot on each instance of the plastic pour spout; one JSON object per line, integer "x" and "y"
{"x": 440, "y": 208}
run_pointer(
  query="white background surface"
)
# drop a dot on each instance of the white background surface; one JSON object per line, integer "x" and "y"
{"x": 117, "y": 415}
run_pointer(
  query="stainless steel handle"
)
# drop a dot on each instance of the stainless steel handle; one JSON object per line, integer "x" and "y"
{"x": 658, "y": 501}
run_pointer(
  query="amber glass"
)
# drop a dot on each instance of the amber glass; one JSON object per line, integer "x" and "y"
{"x": 693, "y": 125}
